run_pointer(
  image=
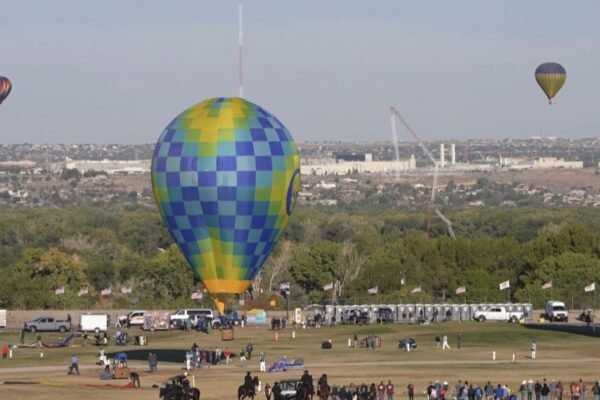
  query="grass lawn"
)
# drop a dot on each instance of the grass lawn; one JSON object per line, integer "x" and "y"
{"x": 560, "y": 356}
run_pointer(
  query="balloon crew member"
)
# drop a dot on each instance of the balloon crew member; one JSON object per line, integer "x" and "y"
{"x": 135, "y": 379}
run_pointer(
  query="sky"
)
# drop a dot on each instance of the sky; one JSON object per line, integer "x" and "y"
{"x": 118, "y": 71}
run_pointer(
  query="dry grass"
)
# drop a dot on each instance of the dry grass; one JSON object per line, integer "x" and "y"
{"x": 560, "y": 356}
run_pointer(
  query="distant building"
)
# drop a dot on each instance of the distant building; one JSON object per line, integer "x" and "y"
{"x": 342, "y": 167}
{"x": 110, "y": 166}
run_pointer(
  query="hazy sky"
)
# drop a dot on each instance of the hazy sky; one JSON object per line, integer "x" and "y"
{"x": 117, "y": 71}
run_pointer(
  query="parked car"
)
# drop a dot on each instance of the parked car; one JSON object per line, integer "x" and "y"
{"x": 556, "y": 311}
{"x": 385, "y": 315}
{"x": 355, "y": 316}
{"x": 47, "y": 324}
{"x": 497, "y": 313}
{"x": 134, "y": 318}
{"x": 179, "y": 317}
{"x": 288, "y": 388}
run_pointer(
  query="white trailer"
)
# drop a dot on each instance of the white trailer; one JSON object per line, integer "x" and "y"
{"x": 93, "y": 323}
{"x": 2, "y": 318}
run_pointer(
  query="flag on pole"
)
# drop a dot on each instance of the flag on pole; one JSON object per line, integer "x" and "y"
{"x": 373, "y": 290}
{"x": 126, "y": 289}
{"x": 591, "y": 287}
{"x": 106, "y": 292}
{"x": 328, "y": 287}
{"x": 416, "y": 290}
{"x": 197, "y": 295}
{"x": 547, "y": 285}
{"x": 284, "y": 286}
{"x": 83, "y": 292}
{"x": 60, "y": 290}
{"x": 505, "y": 285}
{"x": 461, "y": 289}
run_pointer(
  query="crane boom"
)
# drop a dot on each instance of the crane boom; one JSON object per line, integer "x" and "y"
{"x": 447, "y": 221}
{"x": 396, "y": 114}
{"x": 395, "y": 138}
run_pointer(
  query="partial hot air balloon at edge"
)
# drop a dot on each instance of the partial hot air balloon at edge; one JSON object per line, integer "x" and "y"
{"x": 551, "y": 77}
{"x": 225, "y": 177}
{"x": 5, "y": 88}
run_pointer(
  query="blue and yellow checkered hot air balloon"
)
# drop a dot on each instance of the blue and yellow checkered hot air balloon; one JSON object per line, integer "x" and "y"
{"x": 225, "y": 175}
{"x": 551, "y": 77}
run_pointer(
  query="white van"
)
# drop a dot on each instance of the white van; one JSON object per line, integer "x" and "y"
{"x": 556, "y": 311}
{"x": 93, "y": 323}
{"x": 179, "y": 317}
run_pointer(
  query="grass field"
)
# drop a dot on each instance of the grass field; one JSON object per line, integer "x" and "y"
{"x": 560, "y": 356}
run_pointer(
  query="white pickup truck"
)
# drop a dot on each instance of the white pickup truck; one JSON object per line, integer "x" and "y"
{"x": 497, "y": 313}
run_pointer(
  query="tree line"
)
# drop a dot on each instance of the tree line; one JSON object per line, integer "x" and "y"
{"x": 96, "y": 247}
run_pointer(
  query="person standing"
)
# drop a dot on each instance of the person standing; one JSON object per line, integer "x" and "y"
{"x": 582, "y": 389}
{"x": 538, "y": 390}
{"x": 276, "y": 391}
{"x": 533, "y": 349}
{"x": 249, "y": 350}
{"x": 74, "y": 365}
{"x": 268, "y": 391}
{"x": 227, "y": 354}
{"x": 263, "y": 362}
{"x": 559, "y": 390}
{"x": 411, "y": 391}
{"x": 445, "y": 344}
{"x": 545, "y": 391}
{"x": 381, "y": 391}
{"x": 523, "y": 390}
{"x": 389, "y": 390}
{"x": 596, "y": 390}
{"x": 529, "y": 389}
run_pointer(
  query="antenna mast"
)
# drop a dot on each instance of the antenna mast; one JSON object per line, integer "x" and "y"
{"x": 241, "y": 47}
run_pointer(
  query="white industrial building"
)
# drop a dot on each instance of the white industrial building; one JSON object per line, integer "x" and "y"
{"x": 358, "y": 167}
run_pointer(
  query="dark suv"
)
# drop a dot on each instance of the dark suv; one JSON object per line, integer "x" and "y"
{"x": 385, "y": 315}
{"x": 355, "y": 316}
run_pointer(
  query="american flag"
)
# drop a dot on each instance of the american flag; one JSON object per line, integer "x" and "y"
{"x": 547, "y": 285}
{"x": 126, "y": 289}
{"x": 284, "y": 286}
{"x": 461, "y": 289}
{"x": 328, "y": 287}
{"x": 106, "y": 292}
{"x": 83, "y": 292}
{"x": 416, "y": 290}
{"x": 373, "y": 290}
{"x": 60, "y": 290}
{"x": 197, "y": 295}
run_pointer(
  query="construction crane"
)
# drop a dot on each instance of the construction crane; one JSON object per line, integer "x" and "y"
{"x": 395, "y": 114}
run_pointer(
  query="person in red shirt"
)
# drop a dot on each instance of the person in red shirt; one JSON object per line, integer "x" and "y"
{"x": 389, "y": 389}
{"x": 381, "y": 391}
{"x": 5, "y": 351}
{"x": 227, "y": 354}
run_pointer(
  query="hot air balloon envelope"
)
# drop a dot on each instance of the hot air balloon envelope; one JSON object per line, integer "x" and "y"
{"x": 551, "y": 77}
{"x": 225, "y": 176}
{"x": 5, "y": 87}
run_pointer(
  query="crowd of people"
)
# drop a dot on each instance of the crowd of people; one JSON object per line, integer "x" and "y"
{"x": 541, "y": 389}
